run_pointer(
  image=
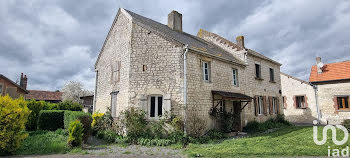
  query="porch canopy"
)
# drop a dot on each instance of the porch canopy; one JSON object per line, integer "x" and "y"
{"x": 236, "y": 96}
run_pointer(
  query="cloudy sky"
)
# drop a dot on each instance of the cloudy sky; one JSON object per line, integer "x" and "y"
{"x": 58, "y": 40}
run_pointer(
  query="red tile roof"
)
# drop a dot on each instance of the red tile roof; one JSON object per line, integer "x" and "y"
{"x": 330, "y": 72}
{"x": 44, "y": 95}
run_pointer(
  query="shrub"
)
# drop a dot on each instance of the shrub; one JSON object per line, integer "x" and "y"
{"x": 13, "y": 117}
{"x": 70, "y": 105}
{"x": 35, "y": 107}
{"x": 135, "y": 122}
{"x": 86, "y": 121}
{"x": 177, "y": 123}
{"x": 75, "y": 133}
{"x": 50, "y": 119}
{"x": 195, "y": 125}
{"x": 70, "y": 116}
{"x": 215, "y": 134}
{"x": 155, "y": 129}
{"x": 281, "y": 119}
{"x": 254, "y": 126}
{"x": 97, "y": 121}
{"x": 346, "y": 124}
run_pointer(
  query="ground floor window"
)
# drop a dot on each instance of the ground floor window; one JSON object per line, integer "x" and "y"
{"x": 156, "y": 106}
{"x": 300, "y": 102}
{"x": 274, "y": 105}
{"x": 260, "y": 105}
{"x": 343, "y": 103}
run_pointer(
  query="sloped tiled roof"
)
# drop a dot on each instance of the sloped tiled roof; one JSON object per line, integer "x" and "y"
{"x": 202, "y": 32}
{"x": 331, "y": 72}
{"x": 194, "y": 42}
{"x": 15, "y": 84}
{"x": 44, "y": 95}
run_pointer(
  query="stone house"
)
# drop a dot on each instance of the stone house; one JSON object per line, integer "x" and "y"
{"x": 324, "y": 97}
{"x": 8, "y": 87}
{"x": 143, "y": 63}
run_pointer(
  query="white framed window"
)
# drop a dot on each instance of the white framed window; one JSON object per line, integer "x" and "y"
{"x": 206, "y": 71}
{"x": 260, "y": 105}
{"x": 274, "y": 105}
{"x": 235, "y": 77}
{"x": 155, "y": 106}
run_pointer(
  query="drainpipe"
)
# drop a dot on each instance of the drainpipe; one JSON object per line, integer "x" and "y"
{"x": 317, "y": 107}
{"x": 185, "y": 88}
{"x": 94, "y": 103}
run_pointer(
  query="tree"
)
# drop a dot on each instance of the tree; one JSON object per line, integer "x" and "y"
{"x": 73, "y": 91}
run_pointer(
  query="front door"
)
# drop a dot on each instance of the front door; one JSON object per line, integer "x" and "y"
{"x": 237, "y": 116}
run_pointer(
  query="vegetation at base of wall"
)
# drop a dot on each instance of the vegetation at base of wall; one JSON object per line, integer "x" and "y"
{"x": 154, "y": 142}
{"x": 44, "y": 142}
{"x": 256, "y": 127}
{"x": 50, "y": 120}
{"x": 13, "y": 117}
{"x": 97, "y": 121}
{"x": 195, "y": 125}
{"x": 75, "y": 133}
{"x": 346, "y": 124}
{"x": 135, "y": 122}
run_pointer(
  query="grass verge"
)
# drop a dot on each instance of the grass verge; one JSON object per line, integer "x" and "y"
{"x": 289, "y": 141}
{"x": 44, "y": 142}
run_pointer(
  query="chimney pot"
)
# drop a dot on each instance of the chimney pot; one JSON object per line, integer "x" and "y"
{"x": 23, "y": 81}
{"x": 319, "y": 68}
{"x": 175, "y": 20}
{"x": 240, "y": 41}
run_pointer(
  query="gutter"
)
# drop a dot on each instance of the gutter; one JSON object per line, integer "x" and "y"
{"x": 185, "y": 88}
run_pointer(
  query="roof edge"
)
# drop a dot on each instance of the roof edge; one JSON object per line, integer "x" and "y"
{"x": 300, "y": 80}
{"x": 18, "y": 86}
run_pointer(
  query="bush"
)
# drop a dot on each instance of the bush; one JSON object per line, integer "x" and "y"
{"x": 75, "y": 133}
{"x": 70, "y": 116}
{"x": 346, "y": 124}
{"x": 50, "y": 120}
{"x": 86, "y": 121}
{"x": 195, "y": 125}
{"x": 35, "y": 107}
{"x": 177, "y": 123}
{"x": 70, "y": 105}
{"x": 135, "y": 122}
{"x": 254, "y": 126}
{"x": 215, "y": 134}
{"x": 97, "y": 121}
{"x": 13, "y": 117}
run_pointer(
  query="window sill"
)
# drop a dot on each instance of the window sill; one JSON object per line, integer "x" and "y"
{"x": 258, "y": 78}
{"x": 272, "y": 81}
{"x": 302, "y": 108}
{"x": 343, "y": 110}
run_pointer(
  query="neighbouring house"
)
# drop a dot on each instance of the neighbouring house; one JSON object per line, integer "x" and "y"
{"x": 325, "y": 96}
{"x": 8, "y": 87}
{"x": 47, "y": 96}
{"x": 87, "y": 102}
{"x": 298, "y": 98}
{"x": 142, "y": 64}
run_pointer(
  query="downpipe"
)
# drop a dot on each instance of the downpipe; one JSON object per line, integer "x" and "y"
{"x": 185, "y": 89}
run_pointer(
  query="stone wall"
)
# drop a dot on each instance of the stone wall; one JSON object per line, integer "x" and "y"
{"x": 326, "y": 93}
{"x": 117, "y": 48}
{"x": 292, "y": 87}
{"x": 156, "y": 68}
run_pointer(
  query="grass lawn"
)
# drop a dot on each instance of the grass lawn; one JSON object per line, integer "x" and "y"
{"x": 44, "y": 142}
{"x": 289, "y": 141}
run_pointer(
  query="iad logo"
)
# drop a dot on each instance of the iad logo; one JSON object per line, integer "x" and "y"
{"x": 334, "y": 134}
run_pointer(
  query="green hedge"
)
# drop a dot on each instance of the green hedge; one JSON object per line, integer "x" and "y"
{"x": 70, "y": 116}
{"x": 50, "y": 119}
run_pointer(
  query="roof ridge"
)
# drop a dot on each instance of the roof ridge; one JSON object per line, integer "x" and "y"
{"x": 300, "y": 80}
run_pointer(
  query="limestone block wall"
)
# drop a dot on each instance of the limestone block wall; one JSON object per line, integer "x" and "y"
{"x": 264, "y": 87}
{"x": 292, "y": 87}
{"x": 326, "y": 92}
{"x": 156, "y": 68}
{"x": 117, "y": 48}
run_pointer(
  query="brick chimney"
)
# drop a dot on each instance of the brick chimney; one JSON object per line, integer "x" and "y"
{"x": 175, "y": 20}
{"x": 23, "y": 81}
{"x": 319, "y": 65}
{"x": 240, "y": 41}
